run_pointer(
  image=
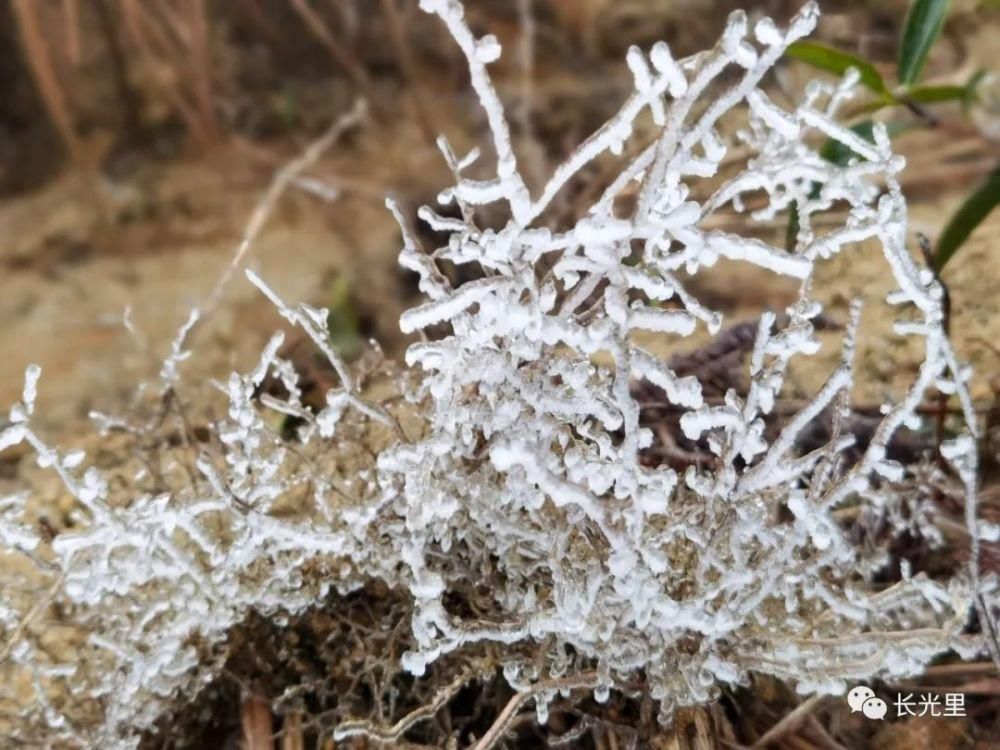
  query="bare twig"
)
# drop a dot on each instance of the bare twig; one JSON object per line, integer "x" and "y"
{"x": 282, "y": 179}
{"x": 496, "y": 731}
{"x": 789, "y": 723}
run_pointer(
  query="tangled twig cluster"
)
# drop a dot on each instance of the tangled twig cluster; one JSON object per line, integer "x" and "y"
{"x": 524, "y": 513}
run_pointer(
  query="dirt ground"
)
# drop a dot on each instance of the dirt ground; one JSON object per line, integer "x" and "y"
{"x": 81, "y": 251}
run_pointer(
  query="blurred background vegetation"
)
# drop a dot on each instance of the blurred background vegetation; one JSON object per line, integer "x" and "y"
{"x": 95, "y": 83}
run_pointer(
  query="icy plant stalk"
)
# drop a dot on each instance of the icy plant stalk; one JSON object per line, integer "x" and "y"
{"x": 527, "y": 491}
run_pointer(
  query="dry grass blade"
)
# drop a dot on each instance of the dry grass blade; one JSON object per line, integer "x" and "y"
{"x": 256, "y": 720}
{"x": 282, "y": 179}
{"x": 789, "y": 723}
{"x": 961, "y": 668}
{"x": 202, "y": 63}
{"x": 33, "y": 614}
{"x": 42, "y": 68}
{"x": 408, "y": 67}
{"x": 499, "y": 727}
{"x": 337, "y": 51}
{"x": 291, "y": 733}
{"x": 71, "y": 23}
{"x": 181, "y": 46}
{"x": 819, "y": 736}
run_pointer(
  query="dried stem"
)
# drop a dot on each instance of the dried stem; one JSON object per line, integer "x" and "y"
{"x": 337, "y": 51}
{"x": 279, "y": 183}
{"x": 43, "y": 70}
{"x": 257, "y": 723}
{"x": 790, "y": 722}
{"x": 493, "y": 735}
{"x": 391, "y": 734}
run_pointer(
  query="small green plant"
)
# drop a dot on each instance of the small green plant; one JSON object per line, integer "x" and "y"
{"x": 922, "y": 28}
{"x": 343, "y": 320}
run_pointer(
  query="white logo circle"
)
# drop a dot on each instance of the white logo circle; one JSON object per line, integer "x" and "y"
{"x": 874, "y": 708}
{"x": 857, "y": 697}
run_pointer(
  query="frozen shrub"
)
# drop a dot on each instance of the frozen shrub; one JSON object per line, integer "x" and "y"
{"x": 531, "y": 472}
{"x": 525, "y": 495}
{"x": 172, "y": 550}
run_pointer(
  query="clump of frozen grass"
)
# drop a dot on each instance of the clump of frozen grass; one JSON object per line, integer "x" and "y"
{"x": 526, "y": 492}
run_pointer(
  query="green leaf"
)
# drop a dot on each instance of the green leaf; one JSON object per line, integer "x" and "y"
{"x": 874, "y": 106}
{"x": 972, "y": 89}
{"x": 936, "y": 94}
{"x": 837, "y": 62}
{"x": 967, "y": 94}
{"x": 342, "y": 319}
{"x": 922, "y": 28}
{"x": 969, "y": 216}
